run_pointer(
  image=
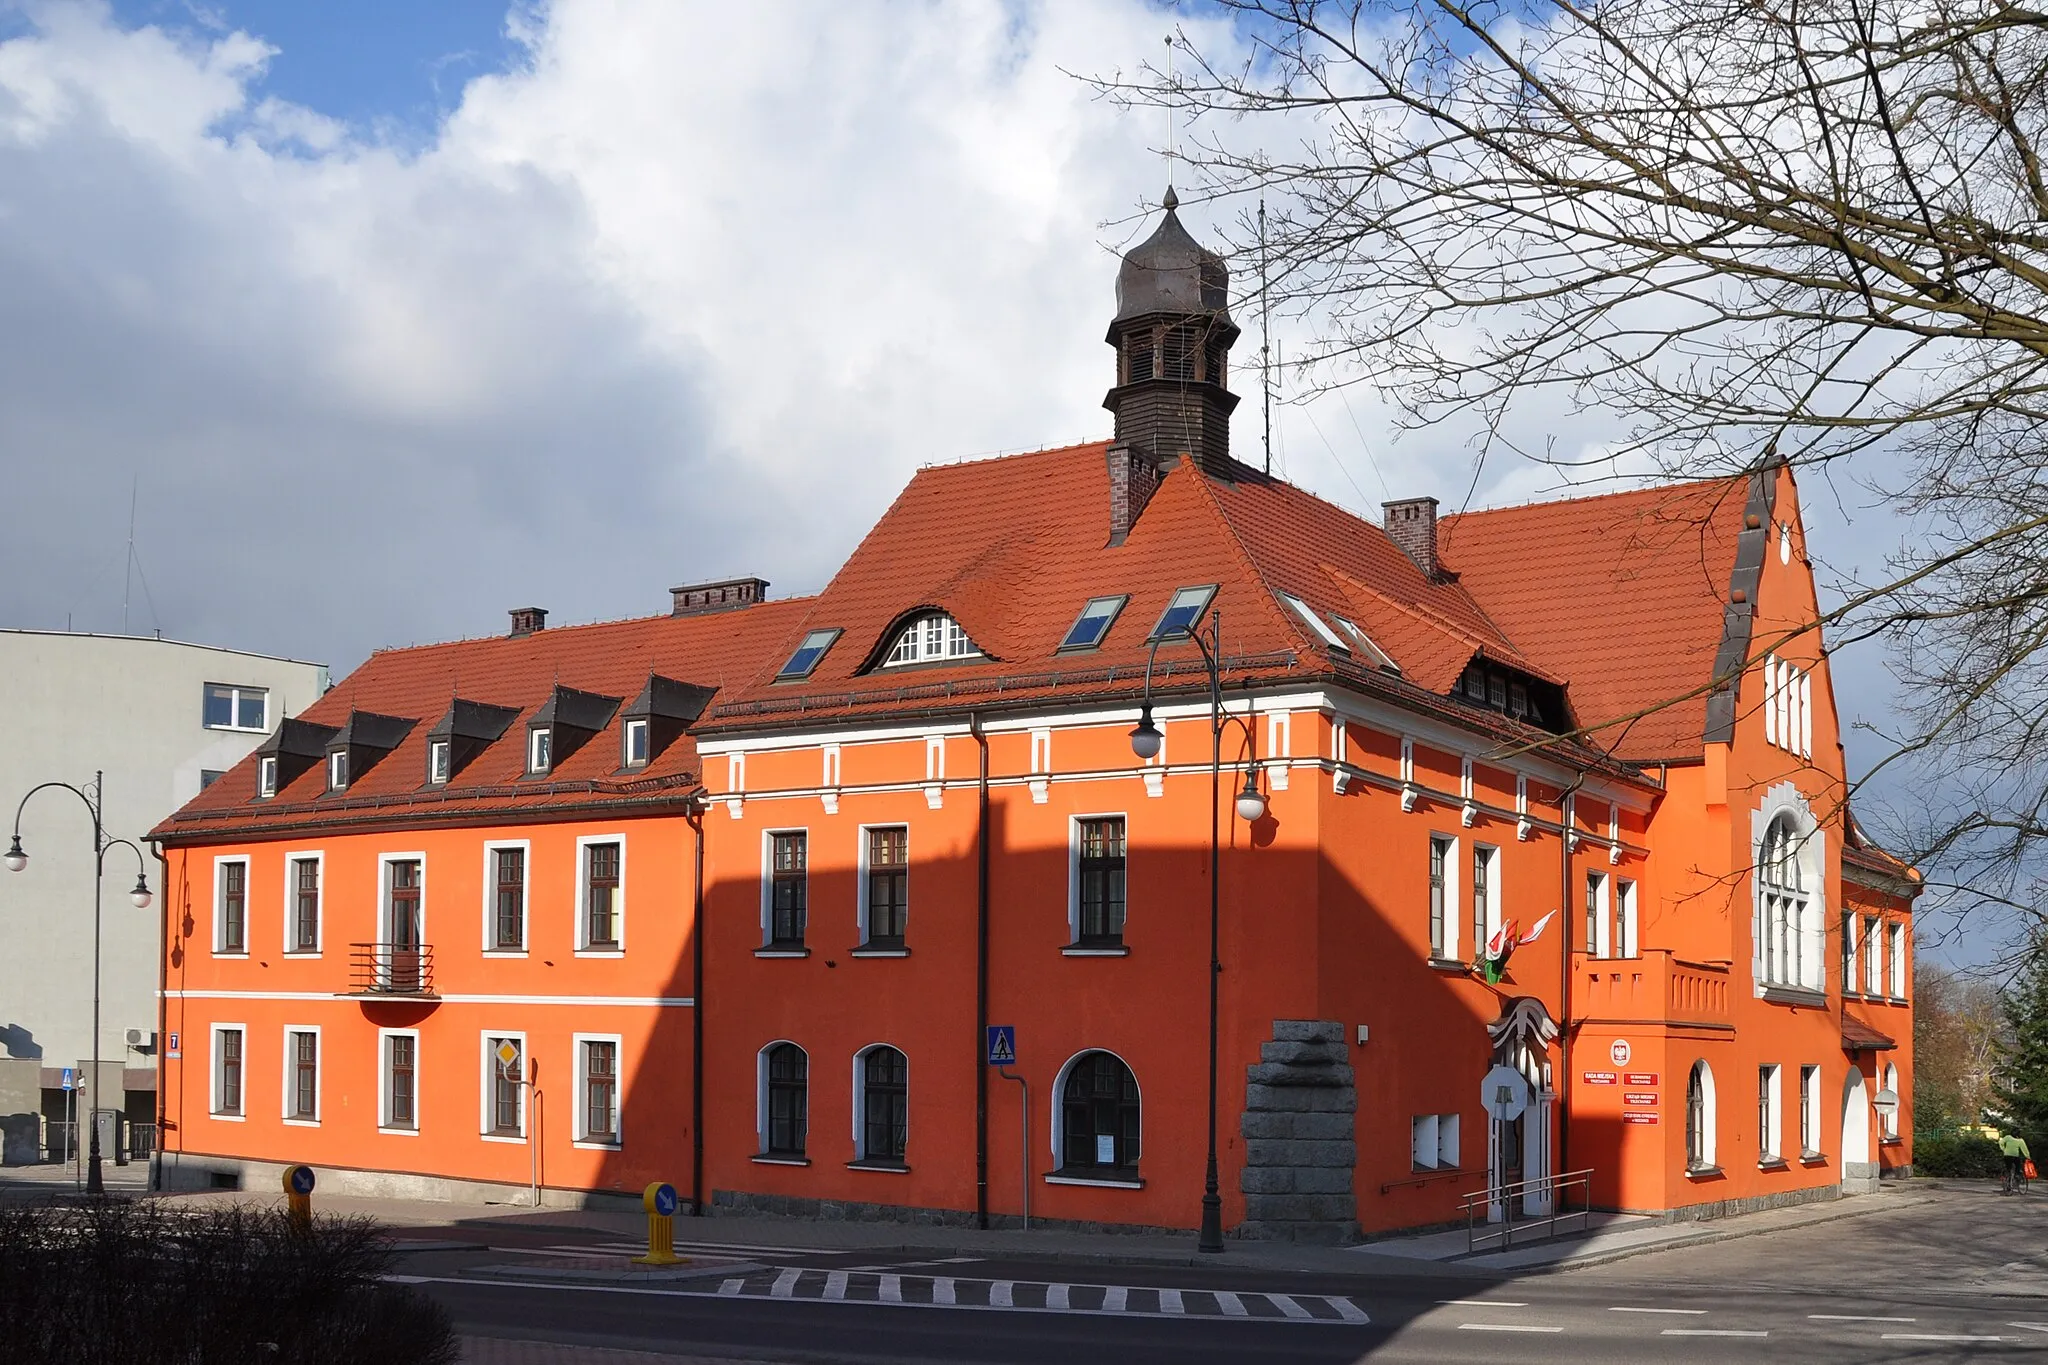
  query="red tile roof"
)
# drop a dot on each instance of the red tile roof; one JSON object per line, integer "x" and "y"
{"x": 1623, "y": 594}
{"x": 1858, "y": 1036}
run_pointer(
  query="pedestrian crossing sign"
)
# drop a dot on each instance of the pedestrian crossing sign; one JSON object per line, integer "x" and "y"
{"x": 1002, "y": 1044}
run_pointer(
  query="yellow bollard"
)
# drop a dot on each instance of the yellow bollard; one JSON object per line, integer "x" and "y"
{"x": 660, "y": 1200}
{"x": 298, "y": 1197}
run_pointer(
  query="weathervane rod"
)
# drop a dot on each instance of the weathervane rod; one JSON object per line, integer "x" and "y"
{"x": 1265, "y": 334}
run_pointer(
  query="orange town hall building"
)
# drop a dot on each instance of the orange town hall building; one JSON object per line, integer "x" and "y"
{"x": 732, "y": 896}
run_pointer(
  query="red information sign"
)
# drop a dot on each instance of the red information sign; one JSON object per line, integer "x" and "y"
{"x": 1638, "y": 1118}
{"x": 1633, "y": 1098}
{"x": 1641, "y": 1078}
{"x": 1599, "y": 1078}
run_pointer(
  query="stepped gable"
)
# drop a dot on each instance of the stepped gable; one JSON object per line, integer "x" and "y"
{"x": 517, "y": 672}
{"x": 1622, "y": 593}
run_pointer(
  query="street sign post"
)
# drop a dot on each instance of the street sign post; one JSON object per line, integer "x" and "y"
{"x": 298, "y": 1198}
{"x": 660, "y": 1201}
{"x": 1504, "y": 1093}
{"x": 1002, "y": 1054}
{"x": 1002, "y": 1044}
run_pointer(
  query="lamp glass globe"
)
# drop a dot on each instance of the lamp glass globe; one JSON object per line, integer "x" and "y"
{"x": 141, "y": 898}
{"x": 15, "y": 861}
{"x": 1250, "y": 806}
{"x": 1146, "y": 739}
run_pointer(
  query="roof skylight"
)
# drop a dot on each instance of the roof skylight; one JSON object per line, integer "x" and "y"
{"x": 1315, "y": 623}
{"x": 1184, "y": 612}
{"x": 1093, "y": 623}
{"x": 1365, "y": 643}
{"x": 807, "y": 655}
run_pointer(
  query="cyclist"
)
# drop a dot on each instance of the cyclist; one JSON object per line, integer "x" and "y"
{"x": 2014, "y": 1147}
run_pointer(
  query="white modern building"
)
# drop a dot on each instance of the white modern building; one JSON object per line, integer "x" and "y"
{"x": 156, "y": 720}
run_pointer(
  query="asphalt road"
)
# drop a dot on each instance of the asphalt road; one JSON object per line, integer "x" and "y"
{"x": 1965, "y": 1279}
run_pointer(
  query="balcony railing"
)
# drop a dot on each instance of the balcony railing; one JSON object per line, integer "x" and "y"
{"x": 1655, "y": 986}
{"x": 405, "y": 969}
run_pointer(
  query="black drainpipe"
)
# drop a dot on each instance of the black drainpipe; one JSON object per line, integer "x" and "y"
{"x": 163, "y": 1011}
{"x": 694, "y": 813}
{"x": 981, "y": 979}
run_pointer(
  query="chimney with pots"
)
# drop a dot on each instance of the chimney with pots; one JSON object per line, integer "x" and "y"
{"x": 527, "y": 620}
{"x": 1411, "y": 525}
{"x": 693, "y": 599}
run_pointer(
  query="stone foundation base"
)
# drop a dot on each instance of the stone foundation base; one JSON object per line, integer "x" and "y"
{"x": 267, "y": 1177}
{"x": 1729, "y": 1208}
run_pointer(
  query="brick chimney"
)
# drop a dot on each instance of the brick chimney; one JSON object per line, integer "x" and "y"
{"x": 693, "y": 599}
{"x": 1132, "y": 480}
{"x": 1411, "y": 525}
{"x": 527, "y": 620}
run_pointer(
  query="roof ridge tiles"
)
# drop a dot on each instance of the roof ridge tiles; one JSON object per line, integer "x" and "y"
{"x": 557, "y": 631}
{"x": 1290, "y": 628}
{"x": 1677, "y": 486}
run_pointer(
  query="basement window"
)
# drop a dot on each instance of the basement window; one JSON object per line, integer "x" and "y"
{"x": 807, "y": 655}
{"x": 1093, "y": 623}
{"x": 1184, "y": 612}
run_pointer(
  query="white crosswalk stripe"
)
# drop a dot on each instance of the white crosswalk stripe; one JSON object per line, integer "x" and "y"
{"x": 1028, "y": 1296}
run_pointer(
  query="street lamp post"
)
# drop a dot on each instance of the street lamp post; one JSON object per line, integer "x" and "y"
{"x": 1146, "y": 741}
{"x": 16, "y": 859}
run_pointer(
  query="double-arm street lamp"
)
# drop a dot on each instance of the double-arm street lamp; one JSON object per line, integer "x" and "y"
{"x": 1146, "y": 741}
{"x": 16, "y": 859}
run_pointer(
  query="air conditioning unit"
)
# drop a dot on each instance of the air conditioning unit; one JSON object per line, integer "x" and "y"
{"x": 142, "y": 1040}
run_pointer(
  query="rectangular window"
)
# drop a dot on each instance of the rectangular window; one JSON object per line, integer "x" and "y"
{"x": 508, "y": 899}
{"x": 305, "y": 875}
{"x": 236, "y": 708}
{"x": 601, "y": 896}
{"x": 1767, "y": 1113}
{"x": 227, "y": 1071}
{"x": 233, "y": 917}
{"x": 337, "y": 770}
{"x": 1423, "y": 1142}
{"x": 1102, "y": 870}
{"x": 600, "y": 1091}
{"x": 302, "y": 1085}
{"x": 1596, "y": 914}
{"x": 209, "y": 776}
{"x": 401, "y": 1080}
{"x": 1624, "y": 918}
{"x": 789, "y": 888}
{"x": 504, "y": 1111}
{"x": 1483, "y": 915}
{"x": 1183, "y": 615}
{"x": 1306, "y": 614}
{"x": 1897, "y": 959}
{"x": 1848, "y": 954}
{"x": 1809, "y": 1111}
{"x": 1873, "y": 958}
{"x": 539, "y": 748}
{"x": 401, "y": 965}
{"x": 888, "y": 882}
{"x": 807, "y": 655}
{"x": 1440, "y": 946}
{"x": 438, "y": 768}
{"x": 637, "y": 749}
{"x": 266, "y": 776}
{"x": 1093, "y": 623}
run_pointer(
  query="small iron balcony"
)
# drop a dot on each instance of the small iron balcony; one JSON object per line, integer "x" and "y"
{"x": 397, "y": 969}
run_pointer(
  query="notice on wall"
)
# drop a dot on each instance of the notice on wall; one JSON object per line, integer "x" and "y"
{"x": 1105, "y": 1150}
{"x": 1637, "y": 1116}
{"x": 1620, "y": 1051}
{"x": 1598, "y": 1077}
{"x": 1633, "y": 1097}
{"x": 1640, "y": 1078}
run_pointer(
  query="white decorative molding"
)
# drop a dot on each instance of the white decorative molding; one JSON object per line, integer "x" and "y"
{"x": 1279, "y": 745}
{"x": 1155, "y": 782}
{"x": 732, "y": 806}
{"x": 830, "y": 799}
{"x": 1340, "y": 743}
{"x": 1523, "y": 829}
{"x": 1468, "y": 814}
{"x": 1408, "y": 796}
{"x": 1041, "y": 791}
{"x": 830, "y": 778}
{"x": 1341, "y": 779}
{"x": 934, "y": 795}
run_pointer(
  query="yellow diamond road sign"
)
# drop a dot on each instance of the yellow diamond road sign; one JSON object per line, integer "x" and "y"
{"x": 508, "y": 1052}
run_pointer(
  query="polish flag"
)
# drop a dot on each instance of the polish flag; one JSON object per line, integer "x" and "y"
{"x": 1503, "y": 941}
{"x": 1541, "y": 925}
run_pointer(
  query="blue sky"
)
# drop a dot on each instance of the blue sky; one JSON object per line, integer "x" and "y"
{"x": 368, "y": 62}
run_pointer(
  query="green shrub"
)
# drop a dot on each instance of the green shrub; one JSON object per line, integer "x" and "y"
{"x": 120, "y": 1283}
{"x": 1964, "y": 1156}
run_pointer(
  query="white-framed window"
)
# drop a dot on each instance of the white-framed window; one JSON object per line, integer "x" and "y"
{"x": 601, "y": 895}
{"x": 398, "y": 1080}
{"x": 1851, "y": 979}
{"x": 1787, "y": 905}
{"x": 337, "y": 770}
{"x": 1625, "y": 943}
{"x": 266, "y": 776}
{"x": 1888, "y": 1123}
{"x": 302, "y": 1074}
{"x": 231, "y": 907}
{"x": 503, "y": 1091}
{"x": 785, "y": 888}
{"x": 439, "y": 760}
{"x": 1097, "y": 880}
{"x": 1769, "y": 1117}
{"x": 1809, "y": 1111}
{"x": 598, "y": 1092}
{"x": 1097, "y": 1119}
{"x": 1701, "y": 1119}
{"x": 930, "y": 639}
{"x": 539, "y": 749}
{"x": 1896, "y": 960}
{"x": 230, "y": 1068}
{"x": 1486, "y": 893}
{"x": 1599, "y": 922}
{"x": 1315, "y": 623}
{"x": 1873, "y": 956}
{"x": 230, "y": 706}
{"x": 506, "y": 864}
{"x": 1788, "y": 707}
{"x": 636, "y": 744}
{"x": 1443, "y": 897}
{"x": 303, "y": 874}
{"x": 1434, "y": 1142}
{"x": 882, "y": 890}
{"x": 783, "y": 1112}
{"x": 881, "y": 1105}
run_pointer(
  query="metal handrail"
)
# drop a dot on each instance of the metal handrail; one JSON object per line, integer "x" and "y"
{"x": 391, "y": 969}
{"x": 1506, "y": 1195}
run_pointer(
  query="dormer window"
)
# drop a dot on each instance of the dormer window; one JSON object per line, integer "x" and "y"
{"x": 539, "y": 746}
{"x": 438, "y": 753}
{"x": 266, "y": 776}
{"x": 807, "y": 655}
{"x": 636, "y": 742}
{"x": 1093, "y": 623}
{"x": 337, "y": 770}
{"x": 931, "y": 639}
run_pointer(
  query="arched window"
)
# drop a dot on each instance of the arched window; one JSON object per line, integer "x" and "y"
{"x": 883, "y": 1104}
{"x": 1786, "y": 908}
{"x": 1099, "y": 1119}
{"x": 930, "y": 639}
{"x": 1889, "y": 1120}
{"x": 1699, "y": 1118}
{"x": 786, "y": 1079}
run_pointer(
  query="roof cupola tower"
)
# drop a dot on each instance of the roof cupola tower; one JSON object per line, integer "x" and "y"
{"x": 1173, "y": 334}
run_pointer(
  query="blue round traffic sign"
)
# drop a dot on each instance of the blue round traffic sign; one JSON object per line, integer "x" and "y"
{"x": 661, "y": 1199}
{"x": 299, "y": 1180}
